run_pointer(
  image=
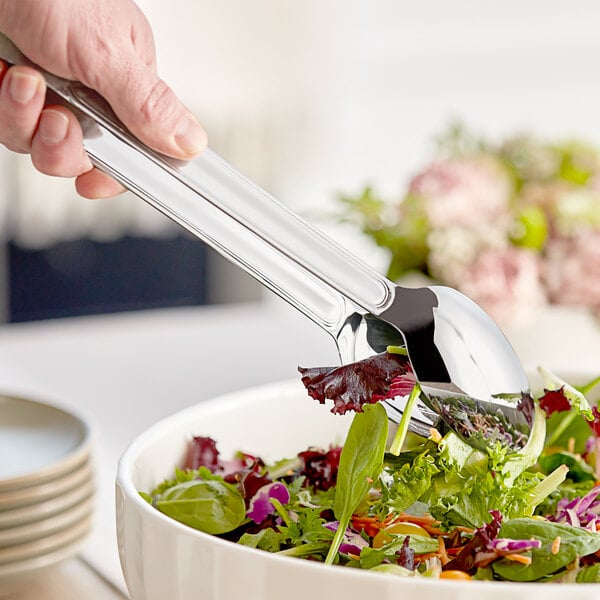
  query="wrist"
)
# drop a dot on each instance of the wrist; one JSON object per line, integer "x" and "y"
{"x": 15, "y": 13}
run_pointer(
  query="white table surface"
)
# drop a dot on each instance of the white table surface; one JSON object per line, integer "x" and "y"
{"x": 124, "y": 372}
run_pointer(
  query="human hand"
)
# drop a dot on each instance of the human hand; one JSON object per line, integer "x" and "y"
{"x": 108, "y": 46}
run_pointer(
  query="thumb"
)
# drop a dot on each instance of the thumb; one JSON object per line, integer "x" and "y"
{"x": 153, "y": 113}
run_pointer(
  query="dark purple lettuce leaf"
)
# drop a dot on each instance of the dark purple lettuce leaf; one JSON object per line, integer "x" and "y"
{"x": 406, "y": 555}
{"x": 595, "y": 424}
{"x": 363, "y": 382}
{"x": 526, "y": 407}
{"x": 249, "y": 479}
{"x": 246, "y": 472}
{"x": 320, "y": 468}
{"x": 478, "y": 551}
{"x": 260, "y": 505}
{"x": 554, "y": 401}
{"x": 202, "y": 452}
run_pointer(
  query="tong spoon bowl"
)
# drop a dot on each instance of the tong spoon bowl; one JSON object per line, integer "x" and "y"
{"x": 468, "y": 372}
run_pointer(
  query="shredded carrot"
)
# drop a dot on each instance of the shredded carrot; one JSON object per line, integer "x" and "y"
{"x": 463, "y": 529}
{"x": 454, "y": 551}
{"x": 520, "y": 558}
{"x": 432, "y": 531}
{"x": 420, "y": 558}
{"x": 424, "y": 519}
{"x": 555, "y": 545}
{"x": 427, "y": 522}
{"x": 370, "y": 525}
{"x": 442, "y": 551}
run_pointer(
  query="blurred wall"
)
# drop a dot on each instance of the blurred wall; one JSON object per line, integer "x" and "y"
{"x": 347, "y": 92}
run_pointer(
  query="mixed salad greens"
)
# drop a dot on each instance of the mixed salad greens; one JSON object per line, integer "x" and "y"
{"x": 432, "y": 507}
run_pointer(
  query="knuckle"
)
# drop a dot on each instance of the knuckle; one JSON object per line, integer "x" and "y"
{"x": 159, "y": 103}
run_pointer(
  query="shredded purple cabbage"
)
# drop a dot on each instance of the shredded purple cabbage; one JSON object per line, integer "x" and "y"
{"x": 506, "y": 545}
{"x": 583, "y": 511}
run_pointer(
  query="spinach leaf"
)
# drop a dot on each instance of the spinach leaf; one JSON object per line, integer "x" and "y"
{"x": 372, "y": 557}
{"x": 566, "y": 426}
{"x": 266, "y": 539}
{"x": 589, "y": 574}
{"x": 360, "y": 464}
{"x": 419, "y": 543}
{"x": 579, "y": 470}
{"x": 393, "y": 570}
{"x": 212, "y": 506}
{"x": 575, "y": 543}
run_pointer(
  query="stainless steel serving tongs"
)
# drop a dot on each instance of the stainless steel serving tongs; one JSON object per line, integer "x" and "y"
{"x": 468, "y": 372}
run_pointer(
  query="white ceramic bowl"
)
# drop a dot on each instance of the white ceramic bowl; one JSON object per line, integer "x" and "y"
{"x": 162, "y": 558}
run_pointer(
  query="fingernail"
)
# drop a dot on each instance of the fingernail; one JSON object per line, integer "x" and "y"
{"x": 53, "y": 126}
{"x": 189, "y": 136}
{"x": 23, "y": 87}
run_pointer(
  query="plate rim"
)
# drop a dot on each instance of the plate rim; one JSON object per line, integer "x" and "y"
{"x": 46, "y": 508}
{"x": 46, "y": 544}
{"x": 34, "y": 530}
{"x": 56, "y": 469}
{"x": 21, "y": 568}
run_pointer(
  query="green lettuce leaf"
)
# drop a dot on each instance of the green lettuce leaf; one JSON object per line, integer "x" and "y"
{"x": 575, "y": 543}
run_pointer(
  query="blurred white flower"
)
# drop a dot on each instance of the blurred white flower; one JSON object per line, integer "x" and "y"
{"x": 575, "y": 210}
{"x": 453, "y": 249}
{"x": 514, "y": 225}
{"x": 506, "y": 283}
{"x": 572, "y": 269}
{"x": 462, "y": 193}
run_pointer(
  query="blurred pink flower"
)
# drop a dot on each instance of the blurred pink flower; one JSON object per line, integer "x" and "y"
{"x": 506, "y": 283}
{"x": 572, "y": 269}
{"x": 462, "y": 192}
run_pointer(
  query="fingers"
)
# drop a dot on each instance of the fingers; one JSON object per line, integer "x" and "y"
{"x": 57, "y": 145}
{"x": 95, "y": 184}
{"x": 57, "y": 149}
{"x": 52, "y": 134}
{"x": 22, "y": 95}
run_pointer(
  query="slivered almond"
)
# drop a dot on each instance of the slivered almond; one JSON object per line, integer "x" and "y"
{"x": 520, "y": 558}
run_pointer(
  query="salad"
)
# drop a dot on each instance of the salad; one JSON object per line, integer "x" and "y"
{"x": 418, "y": 507}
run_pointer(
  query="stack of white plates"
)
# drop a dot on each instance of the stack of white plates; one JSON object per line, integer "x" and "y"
{"x": 46, "y": 486}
